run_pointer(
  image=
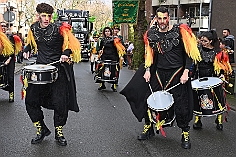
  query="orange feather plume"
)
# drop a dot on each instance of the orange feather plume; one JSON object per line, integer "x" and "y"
{"x": 190, "y": 43}
{"x": 70, "y": 42}
{"x": 148, "y": 52}
{"x": 18, "y": 44}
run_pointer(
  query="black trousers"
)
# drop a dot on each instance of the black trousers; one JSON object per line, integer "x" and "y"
{"x": 10, "y": 69}
{"x": 53, "y": 96}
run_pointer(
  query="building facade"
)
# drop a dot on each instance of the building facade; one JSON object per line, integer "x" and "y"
{"x": 17, "y": 9}
{"x": 192, "y": 12}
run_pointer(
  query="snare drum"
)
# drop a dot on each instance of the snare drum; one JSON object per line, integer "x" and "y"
{"x": 40, "y": 73}
{"x": 161, "y": 102}
{"x": 208, "y": 96}
{"x": 3, "y": 76}
{"x": 107, "y": 70}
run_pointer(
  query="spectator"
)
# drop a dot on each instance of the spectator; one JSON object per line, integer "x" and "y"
{"x": 229, "y": 42}
{"x": 130, "y": 54}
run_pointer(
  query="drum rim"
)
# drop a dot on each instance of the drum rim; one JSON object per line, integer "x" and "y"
{"x": 49, "y": 67}
{"x": 208, "y": 86}
{"x": 163, "y": 109}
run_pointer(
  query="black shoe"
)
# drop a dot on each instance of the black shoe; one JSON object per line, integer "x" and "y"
{"x": 102, "y": 87}
{"x": 59, "y": 136}
{"x": 11, "y": 97}
{"x": 197, "y": 124}
{"x": 147, "y": 133}
{"x": 41, "y": 133}
{"x": 185, "y": 141}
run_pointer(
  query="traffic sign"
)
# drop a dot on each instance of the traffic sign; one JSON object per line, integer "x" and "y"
{"x": 9, "y": 16}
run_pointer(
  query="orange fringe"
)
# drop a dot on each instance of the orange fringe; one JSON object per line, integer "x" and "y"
{"x": 221, "y": 62}
{"x": 119, "y": 46}
{"x": 6, "y": 46}
{"x": 70, "y": 42}
{"x": 148, "y": 52}
{"x": 120, "y": 50}
{"x": 190, "y": 43}
{"x": 18, "y": 44}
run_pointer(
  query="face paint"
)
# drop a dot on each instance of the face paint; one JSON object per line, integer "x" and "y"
{"x": 46, "y": 16}
{"x": 163, "y": 20}
{"x": 161, "y": 16}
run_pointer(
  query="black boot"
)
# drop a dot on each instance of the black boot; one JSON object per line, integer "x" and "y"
{"x": 102, "y": 86}
{"x": 218, "y": 121}
{"x": 92, "y": 67}
{"x": 11, "y": 97}
{"x": 113, "y": 87}
{"x": 147, "y": 133}
{"x": 185, "y": 139}
{"x": 197, "y": 124}
{"x": 59, "y": 136}
{"x": 42, "y": 131}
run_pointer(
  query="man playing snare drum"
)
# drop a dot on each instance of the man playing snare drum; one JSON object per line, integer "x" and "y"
{"x": 53, "y": 44}
{"x": 170, "y": 50}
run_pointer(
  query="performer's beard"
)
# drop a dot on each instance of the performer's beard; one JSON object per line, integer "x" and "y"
{"x": 163, "y": 27}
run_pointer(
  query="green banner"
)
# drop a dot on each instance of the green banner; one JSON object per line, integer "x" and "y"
{"x": 125, "y": 11}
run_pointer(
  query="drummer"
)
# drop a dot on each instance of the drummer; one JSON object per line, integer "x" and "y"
{"x": 52, "y": 43}
{"x": 12, "y": 45}
{"x": 214, "y": 64}
{"x": 166, "y": 64}
{"x": 112, "y": 49}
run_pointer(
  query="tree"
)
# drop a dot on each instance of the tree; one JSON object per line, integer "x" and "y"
{"x": 139, "y": 30}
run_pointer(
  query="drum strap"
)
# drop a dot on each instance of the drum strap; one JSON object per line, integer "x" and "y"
{"x": 170, "y": 80}
{"x": 219, "y": 104}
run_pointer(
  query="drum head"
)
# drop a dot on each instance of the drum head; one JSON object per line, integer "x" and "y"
{"x": 160, "y": 101}
{"x": 206, "y": 83}
{"x": 39, "y": 67}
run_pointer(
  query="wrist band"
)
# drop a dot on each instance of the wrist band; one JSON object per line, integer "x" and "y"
{"x": 148, "y": 69}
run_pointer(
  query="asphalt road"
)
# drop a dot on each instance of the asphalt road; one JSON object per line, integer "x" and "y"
{"x": 105, "y": 127}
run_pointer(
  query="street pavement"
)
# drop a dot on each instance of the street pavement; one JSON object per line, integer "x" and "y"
{"x": 105, "y": 127}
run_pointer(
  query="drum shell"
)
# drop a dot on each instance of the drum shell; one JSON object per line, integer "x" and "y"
{"x": 107, "y": 71}
{"x": 206, "y": 101}
{"x": 3, "y": 76}
{"x": 40, "y": 76}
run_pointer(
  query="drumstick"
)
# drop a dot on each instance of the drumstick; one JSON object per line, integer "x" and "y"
{"x": 173, "y": 87}
{"x": 53, "y": 62}
{"x": 151, "y": 91}
{"x": 230, "y": 84}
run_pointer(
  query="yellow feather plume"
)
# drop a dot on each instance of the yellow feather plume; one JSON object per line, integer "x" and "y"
{"x": 70, "y": 42}
{"x": 30, "y": 40}
{"x": 7, "y": 48}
